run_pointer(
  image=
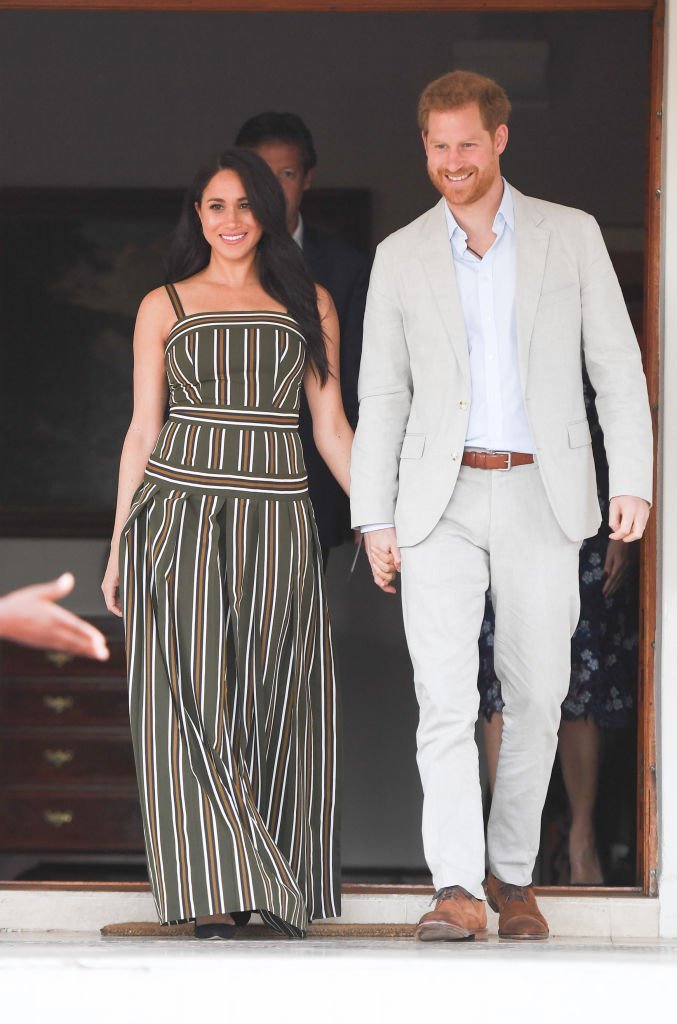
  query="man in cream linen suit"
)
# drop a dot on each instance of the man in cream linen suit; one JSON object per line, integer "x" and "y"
{"x": 472, "y": 469}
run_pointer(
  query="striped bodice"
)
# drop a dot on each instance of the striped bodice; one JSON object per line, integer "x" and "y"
{"x": 234, "y": 382}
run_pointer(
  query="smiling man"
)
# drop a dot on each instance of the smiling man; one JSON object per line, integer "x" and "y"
{"x": 472, "y": 468}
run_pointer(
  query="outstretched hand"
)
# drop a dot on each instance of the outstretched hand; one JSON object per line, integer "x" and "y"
{"x": 30, "y": 616}
{"x": 384, "y": 557}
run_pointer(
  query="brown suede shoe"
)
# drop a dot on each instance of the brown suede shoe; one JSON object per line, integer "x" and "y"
{"x": 518, "y": 913}
{"x": 456, "y": 916}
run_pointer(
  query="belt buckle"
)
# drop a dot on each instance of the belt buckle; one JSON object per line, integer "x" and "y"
{"x": 508, "y": 456}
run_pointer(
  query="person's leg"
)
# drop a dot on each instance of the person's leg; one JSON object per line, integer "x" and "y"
{"x": 444, "y": 580}
{"x": 491, "y": 702}
{"x": 579, "y": 751}
{"x": 492, "y": 730}
{"x": 534, "y": 587}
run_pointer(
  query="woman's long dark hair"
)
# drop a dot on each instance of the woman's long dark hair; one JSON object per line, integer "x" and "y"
{"x": 280, "y": 264}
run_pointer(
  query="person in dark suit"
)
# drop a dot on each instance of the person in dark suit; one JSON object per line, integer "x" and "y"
{"x": 285, "y": 143}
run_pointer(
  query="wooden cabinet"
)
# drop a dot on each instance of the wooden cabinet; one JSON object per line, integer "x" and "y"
{"x": 67, "y": 778}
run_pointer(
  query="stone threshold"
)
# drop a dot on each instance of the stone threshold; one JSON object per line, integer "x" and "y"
{"x": 570, "y": 916}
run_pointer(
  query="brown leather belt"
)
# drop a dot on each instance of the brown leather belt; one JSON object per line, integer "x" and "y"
{"x": 495, "y": 460}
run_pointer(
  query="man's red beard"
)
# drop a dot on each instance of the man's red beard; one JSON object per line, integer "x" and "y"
{"x": 468, "y": 192}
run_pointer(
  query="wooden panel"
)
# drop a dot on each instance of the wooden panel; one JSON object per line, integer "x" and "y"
{"x": 47, "y": 702}
{"x": 82, "y": 820}
{"x": 26, "y": 661}
{"x": 59, "y": 757}
{"x": 647, "y": 804}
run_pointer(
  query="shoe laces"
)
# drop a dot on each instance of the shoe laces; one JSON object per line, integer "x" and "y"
{"x": 450, "y": 892}
{"x": 514, "y": 892}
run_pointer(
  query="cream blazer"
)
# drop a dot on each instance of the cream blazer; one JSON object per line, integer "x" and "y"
{"x": 415, "y": 389}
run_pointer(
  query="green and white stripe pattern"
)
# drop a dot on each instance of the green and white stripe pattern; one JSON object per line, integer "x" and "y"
{"x": 231, "y": 677}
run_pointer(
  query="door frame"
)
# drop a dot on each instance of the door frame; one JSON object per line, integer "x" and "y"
{"x": 647, "y": 823}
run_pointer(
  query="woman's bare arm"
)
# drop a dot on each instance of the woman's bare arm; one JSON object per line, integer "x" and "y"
{"x": 331, "y": 431}
{"x": 150, "y": 398}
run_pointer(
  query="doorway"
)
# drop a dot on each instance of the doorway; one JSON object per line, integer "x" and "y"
{"x": 569, "y": 63}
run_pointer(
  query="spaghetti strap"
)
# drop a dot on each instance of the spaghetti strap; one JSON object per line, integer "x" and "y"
{"x": 175, "y": 301}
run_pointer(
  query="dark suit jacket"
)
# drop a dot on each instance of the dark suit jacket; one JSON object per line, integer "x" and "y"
{"x": 344, "y": 272}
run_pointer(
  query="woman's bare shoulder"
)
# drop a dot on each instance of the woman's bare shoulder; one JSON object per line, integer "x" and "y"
{"x": 156, "y": 308}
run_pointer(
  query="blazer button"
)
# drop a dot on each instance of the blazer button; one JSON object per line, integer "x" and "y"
{"x": 454, "y": 456}
{"x": 463, "y": 404}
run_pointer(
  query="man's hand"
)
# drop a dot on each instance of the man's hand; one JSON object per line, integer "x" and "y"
{"x": 30, "y": 616}
{"x": 628, "y": 517}
{"x": 384, "y": 557}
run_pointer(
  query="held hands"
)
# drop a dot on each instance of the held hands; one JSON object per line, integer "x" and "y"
{"x": 384, "y": 557}
{"x": 627, "y": 517}
{"x": 30, "y": 616}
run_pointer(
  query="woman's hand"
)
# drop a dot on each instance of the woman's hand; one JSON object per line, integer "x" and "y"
{"x": 110, "y": 585}
{"x": 30, "y": 616}
{"x": 616, "y": 565}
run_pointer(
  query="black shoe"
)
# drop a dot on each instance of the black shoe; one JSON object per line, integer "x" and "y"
{"x": 214, "y": 930}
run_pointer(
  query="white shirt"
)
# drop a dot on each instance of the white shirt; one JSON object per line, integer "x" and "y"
{"x": 297, "y": 233}
{"x": 498, "y": 418}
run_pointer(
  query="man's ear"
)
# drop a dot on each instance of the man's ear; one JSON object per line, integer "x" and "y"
{"x": 308, "y": 180}
{"x": 424, "y": 137}
{"x": 501, "y": 138}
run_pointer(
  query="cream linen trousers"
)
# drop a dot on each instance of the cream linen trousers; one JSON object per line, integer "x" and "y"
{"x": 498, "y": 532}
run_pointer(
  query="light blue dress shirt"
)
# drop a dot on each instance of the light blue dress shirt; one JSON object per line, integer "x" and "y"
{"x": 498, "y": 418}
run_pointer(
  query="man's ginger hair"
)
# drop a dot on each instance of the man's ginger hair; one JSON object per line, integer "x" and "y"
{"x": 458, "y": 89}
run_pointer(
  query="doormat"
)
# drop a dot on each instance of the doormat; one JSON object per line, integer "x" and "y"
{"x": 154, "y": 930}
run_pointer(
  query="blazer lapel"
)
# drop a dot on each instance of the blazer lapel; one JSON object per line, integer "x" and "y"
{"x": 434, "y": 251}
{"x": 531, "y": 249}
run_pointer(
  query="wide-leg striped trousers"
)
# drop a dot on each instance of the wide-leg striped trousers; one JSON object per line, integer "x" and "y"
{"x": 233, "y": 705}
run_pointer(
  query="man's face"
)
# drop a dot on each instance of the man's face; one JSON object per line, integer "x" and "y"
{"x": 463, "y": 157}
{"x": 284, "y": 160}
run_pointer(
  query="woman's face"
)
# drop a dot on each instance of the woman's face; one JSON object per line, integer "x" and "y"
{"x": 228, "y": 223}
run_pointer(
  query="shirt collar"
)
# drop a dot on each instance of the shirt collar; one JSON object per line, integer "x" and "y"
{"x": 297, "y": 233}
{"x": 504, "y": 215}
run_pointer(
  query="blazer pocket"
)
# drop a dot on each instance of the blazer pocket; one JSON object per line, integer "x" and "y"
{"x": 579, "y": 434}
{"x": 412, "y": 446}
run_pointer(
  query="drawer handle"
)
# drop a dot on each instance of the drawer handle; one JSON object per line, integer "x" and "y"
{"x": 58, "y": 758}
{"x": 58, "y": 704}
{"x": 58, "y": 658}
{"x": 58, "y": 818}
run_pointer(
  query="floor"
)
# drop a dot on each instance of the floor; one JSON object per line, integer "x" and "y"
{"x": 57, "y": 976}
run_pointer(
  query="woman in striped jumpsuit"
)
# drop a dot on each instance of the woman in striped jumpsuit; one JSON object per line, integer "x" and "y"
{"x": 215, "y": 566}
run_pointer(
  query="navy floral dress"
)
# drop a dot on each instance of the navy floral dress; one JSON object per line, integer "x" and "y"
{"x": 604, "y": 646}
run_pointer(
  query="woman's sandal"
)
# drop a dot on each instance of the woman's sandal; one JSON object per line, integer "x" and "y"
{"x": 211, "y": 929}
